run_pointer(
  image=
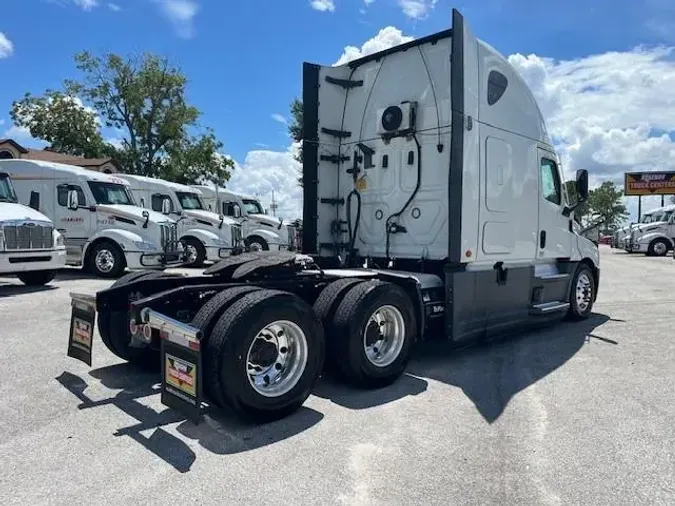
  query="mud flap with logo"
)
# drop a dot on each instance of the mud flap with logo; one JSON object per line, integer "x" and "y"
{"x": 82, "y": 319}
{"x": 182, "y": 375}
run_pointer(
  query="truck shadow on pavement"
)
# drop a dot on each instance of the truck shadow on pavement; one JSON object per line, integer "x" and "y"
{"x": 218, "y": 432}
{"x": 12, "y": 290}
{"x": 492, "y": 373}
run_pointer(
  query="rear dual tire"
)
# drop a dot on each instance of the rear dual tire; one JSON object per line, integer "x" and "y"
{"x": 263, "y": 352}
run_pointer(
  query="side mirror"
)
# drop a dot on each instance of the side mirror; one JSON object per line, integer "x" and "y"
{"x": 34, "y": 200}
{"x": 236, "y": 211}
{"x": 73, "y": 200}
{"x": 166, "y": 206}
{"x": 146, "y": 215}
{"x": 582, "y": 184}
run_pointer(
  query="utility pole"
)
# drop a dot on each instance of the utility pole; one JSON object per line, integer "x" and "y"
{"x": 274, "y": 205}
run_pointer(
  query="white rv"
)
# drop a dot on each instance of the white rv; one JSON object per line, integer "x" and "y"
{"x": 105, "y": 231}
{"x": 206, "y": 235}
{"x": 261, "y": 231}
{"x": 654, "y": 238}
{"x": 30, "y": 248}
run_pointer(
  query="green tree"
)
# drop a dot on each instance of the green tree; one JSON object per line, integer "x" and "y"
{"x": 144, "y": 99}
{"x": 605, "y": 203}
{"x": 60, "y": 119}
{"x": 295, "y": 129}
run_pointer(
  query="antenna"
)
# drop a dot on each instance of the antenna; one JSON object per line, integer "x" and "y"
{"x": 274, "y": 205}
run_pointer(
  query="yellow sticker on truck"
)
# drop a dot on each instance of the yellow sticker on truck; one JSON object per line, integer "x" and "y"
{"x": 181, "y": 374}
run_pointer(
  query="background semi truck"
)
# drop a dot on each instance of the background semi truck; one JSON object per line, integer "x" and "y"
{"x": 207, "y": 236}
{"x": 103, "y": 228}
{"x": 655, "y": 237}
{"x": 433, "y": 208}
{"x": 262, "y": 232}
{"x": 622, "y": 235}
{"x": 30, "y": 247}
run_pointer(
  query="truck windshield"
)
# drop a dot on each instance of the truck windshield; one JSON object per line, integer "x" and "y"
{"x": 253, "y": 207}
{"x": 190, "y": 201}
{"x": 111, "y": 193}
{"x": 646, "y": 218}
{"x": 7, "y": 190}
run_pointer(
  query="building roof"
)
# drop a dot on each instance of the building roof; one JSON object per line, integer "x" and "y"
{"x": 15, "y": 144}
{"x": 46, "y": 155}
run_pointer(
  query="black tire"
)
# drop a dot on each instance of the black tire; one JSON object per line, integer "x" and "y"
{"x": 208, "y": 315}
{"x": 578, "y": 311}
{"x": 329, "y": 298}
{"x": 345, "y": 341}
{"x": 36, "y": 278}
{"x": 658, "y": 248}
{"x": 250, "y": 241}
{"x": 113, "y": 327}
{"x": 200, "y": 251}
{"x": 225, "y": 356}
{"x": 118, "y": 259}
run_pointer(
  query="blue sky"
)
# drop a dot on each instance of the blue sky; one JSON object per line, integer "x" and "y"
{"x": 244, "y": 58}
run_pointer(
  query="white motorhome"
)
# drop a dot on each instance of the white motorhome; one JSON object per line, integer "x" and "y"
{"x": 261, "y": 231}
{"x": 654, "y": 238}
{"x": 30, "y": 247}
{"x": 206, "y": 235}
{"x": 622, "y": 235}
{"x": 104, "y": 230}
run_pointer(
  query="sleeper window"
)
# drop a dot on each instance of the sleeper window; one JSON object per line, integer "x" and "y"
{"x": 550, "y": 181}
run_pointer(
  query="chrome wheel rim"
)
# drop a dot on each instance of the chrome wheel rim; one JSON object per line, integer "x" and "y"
{"x": 660, "y": 248}
{"x": 105, "y": 260}
{"x": 191, "y": 254}
{"x": 255, "y": 246}
{"x": 277, "y": 358}
{"x": 384, "y": 336}
{"x": 584, "y": 292}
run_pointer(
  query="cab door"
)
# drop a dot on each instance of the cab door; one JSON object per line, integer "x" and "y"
{"x": 554, "y": 238}
{"x": 74, "y": 224}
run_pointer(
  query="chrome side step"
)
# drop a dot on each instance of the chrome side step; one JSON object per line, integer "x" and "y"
{"x": 549, "y": 307}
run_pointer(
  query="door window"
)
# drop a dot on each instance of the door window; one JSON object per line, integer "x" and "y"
{"x": 62, "y": 194}
{"x": 550, "y": 181}
{"x": 157, "y": 200}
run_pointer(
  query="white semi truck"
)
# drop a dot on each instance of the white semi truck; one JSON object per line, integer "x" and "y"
{"x": 104, "y": 230}
{"x": 30, "y": 247}
{"x": 654, "y": 238}
{"x": 427, "y": 215}
{"x": 622, "y": 235}
{"x": 206, "y": 236}
{"x": 262, "y": 232}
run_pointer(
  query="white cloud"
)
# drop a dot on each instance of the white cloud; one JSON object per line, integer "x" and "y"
{"x": 114, "y": 7}
{"x": 22, "y": 136}
{"x": 387, "y": 37}
{"x": 608, "y": 113}
{"x": 2, "y": 122}
{"x": 86, "y": 5}
{"x": 6, "y": 47}
{"x": 323, "y": 5}
{"x": 368, "y": 2}
{"x": 417, "y": 9}
{"x": 280, "y": 118}
{"x": 181, "y": 14}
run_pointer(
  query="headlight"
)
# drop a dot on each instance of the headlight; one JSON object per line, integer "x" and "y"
{"x": 145, "y": 246}
{"x": 59, "y": 241}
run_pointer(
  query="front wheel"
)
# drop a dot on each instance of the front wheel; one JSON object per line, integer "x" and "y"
{"x": 106, "y": 260}
{"x": 36, "y": 278}
{"x": 658, "y": 248}
{"x": 195, "y": 253}
{"x": 582, "y": 294}
{"x": 255, "y": 243}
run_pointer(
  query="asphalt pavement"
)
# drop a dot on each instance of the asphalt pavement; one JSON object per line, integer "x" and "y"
{"x": 574, "y": 414}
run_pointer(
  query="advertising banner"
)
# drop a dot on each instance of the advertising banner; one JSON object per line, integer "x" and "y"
{"x": 649, "y": 183}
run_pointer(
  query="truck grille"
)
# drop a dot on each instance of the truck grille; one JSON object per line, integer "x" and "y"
{"x": 169, "y": 237}
{"x": 237, "y": 236}
{"x": 292, "y": 237}
{"x": 28, "y": 236}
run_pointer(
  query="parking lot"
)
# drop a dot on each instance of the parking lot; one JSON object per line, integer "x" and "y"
{"x": 578, "y": 413}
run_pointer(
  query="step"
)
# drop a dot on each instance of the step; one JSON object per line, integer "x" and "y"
{"x": 549, "y": 307}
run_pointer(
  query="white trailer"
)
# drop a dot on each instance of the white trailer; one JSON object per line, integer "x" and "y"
{"x": 207, "y": 236}
{"x": 104, "y": 230}
{"x": 655, "y": 237}
{"x": 30, "y": 247}
{"x": 262, "y": 232}
{"x": 434, "y": 207}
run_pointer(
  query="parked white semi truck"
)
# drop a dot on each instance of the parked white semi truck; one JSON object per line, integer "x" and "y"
{"x": 622, "y": 235}
{"x": 30, "y": 247}
{"x": 433, "y": 208}
{"x": 654, "y": 238}
{"x": 262, "y": 232}
{"x": 206, "y": 236}
{"x": 104, "y": 230}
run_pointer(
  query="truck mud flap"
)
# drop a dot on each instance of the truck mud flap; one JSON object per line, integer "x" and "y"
{"x": 82, "y": 319}
{"x": 180, "y": 353}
